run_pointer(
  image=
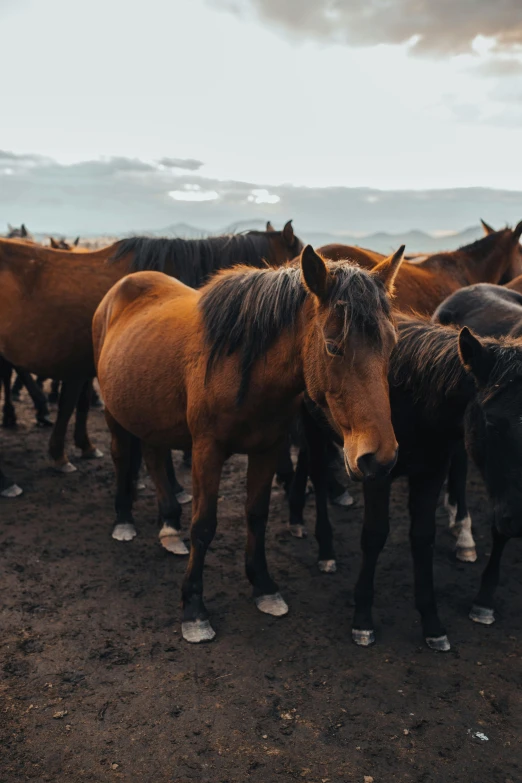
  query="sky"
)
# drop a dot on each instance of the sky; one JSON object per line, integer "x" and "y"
{"x": 317, "y": 94}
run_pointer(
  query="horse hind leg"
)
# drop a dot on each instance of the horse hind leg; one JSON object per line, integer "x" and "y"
{"x": 456, "y": 504}
{"x": 38, "y": 397}
{"x": 9, "y": 413}
{"x": 7, "y": 488}
{"x": 81, "y": 436}
{"x": 69, "y": 396}
{"x": 161, "y": 470}
{"x": 123, "y": 452}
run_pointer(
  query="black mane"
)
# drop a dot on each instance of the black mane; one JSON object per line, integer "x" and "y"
{"x": 246, "y": 310}
{"x": 193, "y": 261}
{"x": 426, "y": 361}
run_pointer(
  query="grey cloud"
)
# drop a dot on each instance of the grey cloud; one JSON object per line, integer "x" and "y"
{"x": 190, "y": 164}
{"x": 496, "y": 68}
{"x": 445, "y": 27}
{"x": 122, "y": 195}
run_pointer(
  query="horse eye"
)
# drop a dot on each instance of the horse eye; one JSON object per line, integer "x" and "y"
{"x": 333, "y": 349}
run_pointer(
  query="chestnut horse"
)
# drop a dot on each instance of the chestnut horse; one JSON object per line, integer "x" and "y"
{"x": 224, "y": 369}
{"x": 421, "y": 287}
{"x": 48, "y": 298}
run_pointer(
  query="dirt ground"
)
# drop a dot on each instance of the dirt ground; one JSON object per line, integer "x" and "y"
{"x": 96, "y": 683}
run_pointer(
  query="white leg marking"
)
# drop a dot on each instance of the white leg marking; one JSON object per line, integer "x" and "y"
{"x": 124, "y": 532}
{"x": 64, "y": 467}
{"x": 466, "y": 547}
{"x": 13, "y": 491}
{"x": 327, "y": 566}
{"x": 197, "y": 631}
{"x": 272, "y": 604}
{"x": 183, "y": 497}
{"x": 344, "y": 500}
{"x": 171, "y": 540}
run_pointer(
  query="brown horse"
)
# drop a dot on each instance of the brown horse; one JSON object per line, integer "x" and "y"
{"x": 48, "y": 298}
{"x": 420, "y": 288}
{"x": 224, "y": 369}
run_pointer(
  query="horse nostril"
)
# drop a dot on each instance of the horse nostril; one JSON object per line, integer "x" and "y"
{"x": 368, "y": 466}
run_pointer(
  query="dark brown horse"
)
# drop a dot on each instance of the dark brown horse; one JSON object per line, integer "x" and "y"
{"x": 48, "y": 298}
{"x": 224, "y": 369}
{"x": 420, "y": 288}
{"x": 19, "y": 233}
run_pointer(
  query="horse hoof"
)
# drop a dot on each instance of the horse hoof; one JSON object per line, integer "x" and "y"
{"x": 140, "y": 486}
{"x": 171, "y": 541}
{"x": 363, "y": 638}
{"x": 272, "y": 604}
{"x": 467, "y": 555}
{"x": 64, "y": 467}
{"x": 197, "y": 631}
{"x": 124, "y": 532}
{"x": 344, "y": 500}
{"x": 297, "y": 531}
{"x": 93, "y": 453}
{"x": 13, "y": 491}
{"x": 183, "y": 497}
{"x": 327, "y": 566}
{"x": 44, "y": 421}
{"x": 482, "y": 615}
{"x": 438, "y": 643}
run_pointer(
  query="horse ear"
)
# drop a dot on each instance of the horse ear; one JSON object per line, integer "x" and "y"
{"x": 76, "y": 242}
{"x": 476, "y": 356}
{"x": 23, "y": 230}
{"x": 269, "y": 226}
{"x": 487, "y": 228}
{"x": 386, "y": 271}
{"x": 518, "y": 230}
{"x": 54, "y": 243}
{"x": 288, "y": 234}
{"x": 315, "y": 273}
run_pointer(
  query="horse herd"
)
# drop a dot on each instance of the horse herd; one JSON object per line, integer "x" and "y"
{"x": 402, "y": 365}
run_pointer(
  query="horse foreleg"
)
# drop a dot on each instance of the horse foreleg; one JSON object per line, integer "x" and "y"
{"x": 318, "y": 445}
{"x": 17, "y": 388}
{"x": 69, "y": 395}
{"x": 374, "y": 534}
{"x": 161, "y": 470}
{"x": 297, "y": 495}
{"x": 207, "y": 464}
{"x": 482, "y": 609}
{"x": 456, "y": 505}
{"x": 424, "y": 494}
{"x": 9, "y": 413}
{"x": 81, "y": 436}
{"x": 285, "y": 467}
{"x": 261, "y": 470}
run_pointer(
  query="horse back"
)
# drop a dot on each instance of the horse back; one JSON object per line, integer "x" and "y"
{"x": 490, "y": 310}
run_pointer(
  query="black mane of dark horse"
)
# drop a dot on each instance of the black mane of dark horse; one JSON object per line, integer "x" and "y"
{"x": 489, "y": 310}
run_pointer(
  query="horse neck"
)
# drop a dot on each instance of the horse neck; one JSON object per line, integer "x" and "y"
{"x": 488, "y": 268}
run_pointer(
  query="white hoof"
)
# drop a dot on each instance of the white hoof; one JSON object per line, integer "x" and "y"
{"x": 197, "y": 631}
{"x": 467, "y": 555}
{"x": 124, "y": 532}
{"x": 345, "y": 500}
{"x": 438, "y": 643}
{"x": 13, "y": 491}
{"x": 327, "y": 566}
{"x": 94, "y": 454}
{"x": 140, "y": 486}
{"x": 272, "y": 604}
{"x": 482, "y": 615}
{"x": 183, "y": 497}
{"x": 170, "y": 539}
{"x": 65, "y": 467}
{"x": 297, "y": 531}
{"x": 363, "y": 638}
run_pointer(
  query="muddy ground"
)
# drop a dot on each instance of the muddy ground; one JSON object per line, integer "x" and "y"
{"x": 96, "y": 683}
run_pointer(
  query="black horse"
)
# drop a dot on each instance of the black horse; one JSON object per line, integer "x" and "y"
{"x": 491, "y": 311}
{"x": 442, "y": 385}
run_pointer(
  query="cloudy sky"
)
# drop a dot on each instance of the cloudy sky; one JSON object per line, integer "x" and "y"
{"x": 207, "y": 111}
